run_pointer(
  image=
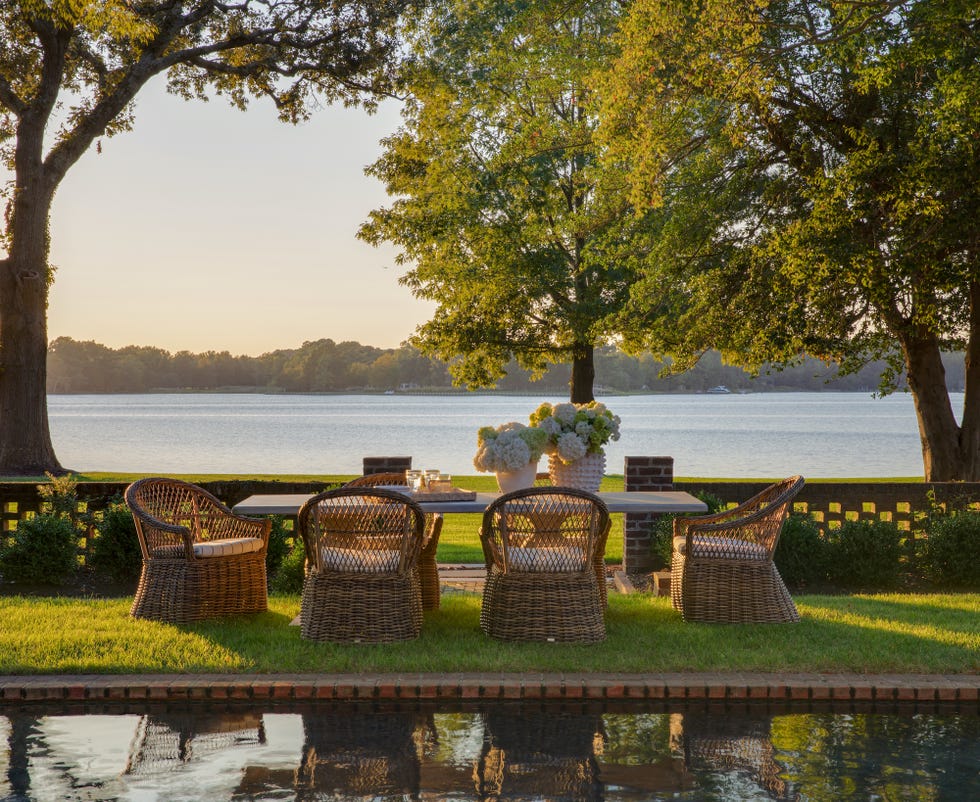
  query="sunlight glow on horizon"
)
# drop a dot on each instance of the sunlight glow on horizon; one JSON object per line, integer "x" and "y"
{"x": 209, "y": 229}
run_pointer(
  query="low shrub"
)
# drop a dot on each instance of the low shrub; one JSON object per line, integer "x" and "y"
{"x": 116, "y": 550}
{"x": 662, "y": 534}
{"x": 41, "y": 550}
{"x": 951, "y": 555}
{"x": 289, "y": 577}
{"x": 801, "y": 554}
{"x": 864, "y": 555}
{"x": 278, "y": 546}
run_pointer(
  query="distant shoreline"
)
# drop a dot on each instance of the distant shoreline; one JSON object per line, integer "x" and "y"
{"x": 462, "y": 393}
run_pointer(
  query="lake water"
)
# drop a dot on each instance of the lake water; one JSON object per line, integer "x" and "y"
{"x": 494, "y": 753}
{"x": 819, "y": 435}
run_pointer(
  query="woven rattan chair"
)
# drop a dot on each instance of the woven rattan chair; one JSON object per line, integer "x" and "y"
{"x": 721, "y": 567}
{"x": 428, "y": 569}
{"x": 541, "y": 547}
{"x": 200, "y": 560}
{"x": 362, "y": 585}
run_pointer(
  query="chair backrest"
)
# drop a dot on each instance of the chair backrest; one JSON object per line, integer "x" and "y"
{"x": 362, "y": 530}
{"x": 544, "y": 529}
{"x": 377, "y": 480}
{"x": 165, "y": 509}
{"x": 760, "y": 519}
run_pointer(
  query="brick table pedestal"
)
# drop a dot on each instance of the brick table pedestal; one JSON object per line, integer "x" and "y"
{"x": 643, "y": 473}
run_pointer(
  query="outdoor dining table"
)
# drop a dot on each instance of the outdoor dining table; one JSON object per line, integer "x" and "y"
{"x": 669, "y": 501}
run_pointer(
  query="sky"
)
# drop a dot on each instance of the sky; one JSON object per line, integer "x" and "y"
{"x": 206, "y": 228}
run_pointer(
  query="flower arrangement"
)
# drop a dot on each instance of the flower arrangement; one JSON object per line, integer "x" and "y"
{"x": 574, "y": 430}
{"x": 508, "y": 447}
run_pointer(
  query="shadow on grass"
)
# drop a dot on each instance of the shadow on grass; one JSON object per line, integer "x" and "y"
{"x": 886, "y": 634}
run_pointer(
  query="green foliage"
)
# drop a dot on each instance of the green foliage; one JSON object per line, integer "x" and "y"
{"x": 61, "y": 492}
{"x": 289, "y": 577}
{"x": 802, "y": 554}
{"x": 865, "y": 555}
{"x": 951, "y": 556}
{"x": 278, "y": 547}
{"x": 662, "y": 535}
{"x": 44, "y": 549}
{"x": 116, "y": 550}
{"x": 815, "y": 172}
{"x": 41, "y": 550}
{"x": 508, "y": 219}
{"x": 322, "y": 366}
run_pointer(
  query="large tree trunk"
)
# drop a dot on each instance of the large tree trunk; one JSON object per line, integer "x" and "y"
{"x": 25, "y": 439}
{"x": 948, "y": 453}
{"x": 583, "y": 375}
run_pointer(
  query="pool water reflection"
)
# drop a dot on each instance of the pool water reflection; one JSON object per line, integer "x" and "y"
{"x": 496, "y": 753}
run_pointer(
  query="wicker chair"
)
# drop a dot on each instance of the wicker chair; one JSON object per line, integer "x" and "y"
{"x": 541, "y": 547}
{"x": 721, "y": 567}
{"x": 200, "y": 560}
{"x": 428, "y": 569}
{"x": 362, "y": 585}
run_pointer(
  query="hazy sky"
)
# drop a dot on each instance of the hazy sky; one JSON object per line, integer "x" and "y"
{"x": 205, "y": 228}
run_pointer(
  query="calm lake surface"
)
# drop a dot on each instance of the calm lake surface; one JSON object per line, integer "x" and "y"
{"x": 492, "y": 754}
{"x": 747, "y": 436}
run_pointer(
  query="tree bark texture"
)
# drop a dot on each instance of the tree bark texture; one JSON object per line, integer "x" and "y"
{"x": 583, "y": 375}
{"x": 25, "y": 438}
{"x": 949, "y": 451}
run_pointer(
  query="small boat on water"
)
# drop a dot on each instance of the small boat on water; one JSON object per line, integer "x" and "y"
{"x": 719, "y": 390}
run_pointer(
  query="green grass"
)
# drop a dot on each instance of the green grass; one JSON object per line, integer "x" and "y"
{"x": 872, "y": 634}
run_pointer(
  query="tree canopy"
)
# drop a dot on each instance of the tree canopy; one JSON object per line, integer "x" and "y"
{"x": 501, "y": 206}
{"x": 813, "y": 165}
{"x": 69, "y": 73}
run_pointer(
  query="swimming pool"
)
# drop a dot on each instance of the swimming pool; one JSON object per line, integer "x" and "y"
{"x": 515, "y": 752}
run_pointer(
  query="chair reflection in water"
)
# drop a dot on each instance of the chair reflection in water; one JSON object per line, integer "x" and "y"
{"x": 361, "y": 755}
{"x": 545, "y": 581}
{"x": 734, "y": 743}
{"x": 162, "y": 742}
{"x": 540, "y": 755}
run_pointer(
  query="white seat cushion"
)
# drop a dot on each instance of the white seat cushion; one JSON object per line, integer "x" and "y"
{"x": 708, "y": 546}
{"x": 360, "y": 561}
{"x": 227, "y": 547}
{"x": 537, "y": 560}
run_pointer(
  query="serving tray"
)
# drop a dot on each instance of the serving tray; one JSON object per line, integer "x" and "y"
{"x": 456, "y": 494}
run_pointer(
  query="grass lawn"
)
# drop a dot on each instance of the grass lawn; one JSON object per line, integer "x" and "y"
{"x": 871, "y": 634}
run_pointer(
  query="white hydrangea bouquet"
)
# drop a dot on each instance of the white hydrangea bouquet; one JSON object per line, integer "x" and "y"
{"x": 574, "y": 430}
{"x": 509, "y": 447}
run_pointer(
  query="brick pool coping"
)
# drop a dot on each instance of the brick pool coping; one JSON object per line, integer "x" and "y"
{"x": 960, "y": 689}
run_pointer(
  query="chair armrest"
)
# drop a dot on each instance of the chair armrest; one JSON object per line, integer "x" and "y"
{"x": 490, "y": 556}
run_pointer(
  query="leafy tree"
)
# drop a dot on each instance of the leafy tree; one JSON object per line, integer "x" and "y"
{"x": 69, "y": 72}
{"x": 510, "y": 223}
{"x": 813, "y": 164}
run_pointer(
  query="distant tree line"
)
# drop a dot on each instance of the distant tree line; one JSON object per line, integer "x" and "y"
{"x": 328, "y": 366}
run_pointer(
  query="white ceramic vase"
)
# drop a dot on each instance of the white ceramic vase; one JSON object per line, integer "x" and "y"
{"x": 509, "y": 481}
{"x": 585, "y": 473}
